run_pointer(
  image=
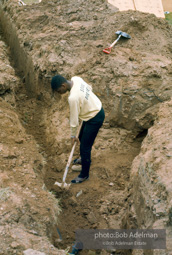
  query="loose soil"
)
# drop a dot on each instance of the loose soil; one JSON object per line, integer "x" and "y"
{"x": 103, "y": 201}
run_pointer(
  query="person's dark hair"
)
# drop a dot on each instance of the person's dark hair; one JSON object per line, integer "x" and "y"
{"x": 57, "y": 81}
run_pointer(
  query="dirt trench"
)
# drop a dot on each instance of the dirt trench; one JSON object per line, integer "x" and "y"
{"x": 105, "y": 199}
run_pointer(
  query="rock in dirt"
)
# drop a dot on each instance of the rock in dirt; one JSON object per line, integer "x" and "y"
{"x": 33, "y": 252}
{"x": 91, "y": 218}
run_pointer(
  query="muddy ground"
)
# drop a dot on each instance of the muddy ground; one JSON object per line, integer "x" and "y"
{"x": 133, "y": 82}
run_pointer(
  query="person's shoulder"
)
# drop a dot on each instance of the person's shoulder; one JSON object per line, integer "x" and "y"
{"x": 79, "y": 81}
{"x": 76, "y": 79}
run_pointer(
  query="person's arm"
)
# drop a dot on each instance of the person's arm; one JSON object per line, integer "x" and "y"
{"x": 74, "y": 113}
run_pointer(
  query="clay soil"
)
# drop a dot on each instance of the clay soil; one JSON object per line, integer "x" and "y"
{"x": 103, "y": 198}
{"x": 67, "y": 37}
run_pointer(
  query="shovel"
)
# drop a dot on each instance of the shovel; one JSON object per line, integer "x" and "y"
{"x": 120, "y": 34}
{"x": 64, "y": 184}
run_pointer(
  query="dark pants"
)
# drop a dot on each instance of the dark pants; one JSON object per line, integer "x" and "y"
{"x": 87, "y": 136}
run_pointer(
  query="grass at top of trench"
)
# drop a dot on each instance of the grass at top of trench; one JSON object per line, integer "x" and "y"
{"x": 168, "y": 17}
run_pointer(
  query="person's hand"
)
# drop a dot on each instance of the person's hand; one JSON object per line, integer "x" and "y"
{"x": 73, "y": 140}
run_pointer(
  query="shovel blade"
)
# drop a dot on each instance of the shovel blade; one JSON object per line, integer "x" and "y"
{"x": 123, "y": 34}
{"x": 58, "y": 184}
{"x": 63, "y": 185}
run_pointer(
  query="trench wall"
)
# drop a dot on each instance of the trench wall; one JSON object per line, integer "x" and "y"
{"x": 151, "y": 199}
{"x": 26, "y": 224}
{"x": 32, "y": 76}
{"x": 22, "y": 61}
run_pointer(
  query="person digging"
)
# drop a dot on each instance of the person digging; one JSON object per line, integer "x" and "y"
{"x": 86, "y": 106}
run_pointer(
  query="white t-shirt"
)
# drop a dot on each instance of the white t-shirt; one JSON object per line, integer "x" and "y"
{"x": 83, "y": 103}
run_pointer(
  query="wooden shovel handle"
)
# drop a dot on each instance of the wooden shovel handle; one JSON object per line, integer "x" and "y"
{"x": 71, "y": 155}
{"x": 108, "y": 50}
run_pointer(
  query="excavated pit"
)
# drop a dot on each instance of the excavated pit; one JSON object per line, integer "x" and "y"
{"x": 103, "y": 201}
{"x": 131, "y": 90}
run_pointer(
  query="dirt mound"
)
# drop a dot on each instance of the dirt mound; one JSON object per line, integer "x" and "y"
{"x": 68, "y": 38}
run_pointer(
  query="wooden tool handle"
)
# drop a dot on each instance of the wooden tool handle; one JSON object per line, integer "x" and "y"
{"x": 71, "y": 155}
